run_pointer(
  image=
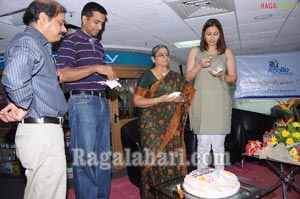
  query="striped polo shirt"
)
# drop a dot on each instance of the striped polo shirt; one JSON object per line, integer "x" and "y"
{"x": 79, "y": 50}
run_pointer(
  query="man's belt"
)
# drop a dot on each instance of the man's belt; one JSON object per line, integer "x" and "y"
{"x": 95, "y": 93}
{"x": 43, "y": 120}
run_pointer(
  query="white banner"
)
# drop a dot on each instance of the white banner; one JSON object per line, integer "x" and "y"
{"x": 268, "y": 76}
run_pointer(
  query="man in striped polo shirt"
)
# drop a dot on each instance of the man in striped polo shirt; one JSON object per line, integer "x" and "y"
{"x": 81, "y": 66}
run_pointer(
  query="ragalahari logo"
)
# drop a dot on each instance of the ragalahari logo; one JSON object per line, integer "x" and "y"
{"x": 275, "y": 69}
{"x": 274, "y": 5}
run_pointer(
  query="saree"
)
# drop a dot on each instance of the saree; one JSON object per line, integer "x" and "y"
{"x": 161, "y": 130}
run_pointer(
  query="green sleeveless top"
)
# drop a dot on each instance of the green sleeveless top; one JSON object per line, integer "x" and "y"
{"x": 211, "y": 108}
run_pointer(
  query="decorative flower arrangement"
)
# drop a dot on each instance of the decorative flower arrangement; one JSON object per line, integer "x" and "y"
{"x": 286, "y": 133}
{"x": 289, "y": 135}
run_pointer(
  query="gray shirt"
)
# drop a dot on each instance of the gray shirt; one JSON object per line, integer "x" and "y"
{"x": 29, "y": 75}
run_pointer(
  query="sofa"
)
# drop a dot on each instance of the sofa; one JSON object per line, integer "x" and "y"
{"x": 245, "y": 125}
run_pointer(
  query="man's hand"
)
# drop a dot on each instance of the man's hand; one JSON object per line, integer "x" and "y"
{"x": 12, "y": 113}
{"x": 108, "y": 71}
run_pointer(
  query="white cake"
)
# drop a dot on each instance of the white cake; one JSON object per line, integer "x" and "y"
{"x": 211, "y": 183}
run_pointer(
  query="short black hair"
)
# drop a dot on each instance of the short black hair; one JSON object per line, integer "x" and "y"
{"x": 91, "y": 7}
{"x": 50, "y": 8}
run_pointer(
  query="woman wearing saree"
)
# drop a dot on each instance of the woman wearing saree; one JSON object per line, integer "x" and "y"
{"x": 162, "y": 121}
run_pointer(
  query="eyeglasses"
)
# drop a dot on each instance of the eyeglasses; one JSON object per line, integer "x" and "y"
{"x": 162, "y": 55}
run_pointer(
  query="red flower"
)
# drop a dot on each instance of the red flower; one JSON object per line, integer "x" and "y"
{"x": 273, "y": 130}
{"x": 253, "y": 146}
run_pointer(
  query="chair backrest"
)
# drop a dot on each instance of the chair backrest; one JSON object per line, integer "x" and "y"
{"x": 129, "y": 134}
{"x": 254, "y": 124}
{"x": 131, "y": 143}
{"x": 253, "y": 121}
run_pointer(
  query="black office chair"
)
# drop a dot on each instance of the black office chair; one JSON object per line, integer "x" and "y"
{"x": 131, "y": 143}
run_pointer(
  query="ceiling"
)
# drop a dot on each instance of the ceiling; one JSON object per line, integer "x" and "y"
{"x": 138, "y": 25}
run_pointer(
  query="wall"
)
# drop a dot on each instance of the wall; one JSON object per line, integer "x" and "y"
{"x": 256, "y": 105}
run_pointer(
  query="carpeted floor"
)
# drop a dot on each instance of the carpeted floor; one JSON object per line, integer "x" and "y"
{"x": 121, "y": 188}
{"x": 254, "y": 173}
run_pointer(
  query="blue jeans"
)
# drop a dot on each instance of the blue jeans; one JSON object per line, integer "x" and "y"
{"x": 89, "y": 120}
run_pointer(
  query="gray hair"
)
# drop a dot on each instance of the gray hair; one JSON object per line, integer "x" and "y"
{"x": 156, "y": 48}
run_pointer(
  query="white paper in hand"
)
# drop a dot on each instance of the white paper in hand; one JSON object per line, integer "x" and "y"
{"x": 174, "y": 94}
{"x": 217, "y": 70}
{"x": 112, "y": 84}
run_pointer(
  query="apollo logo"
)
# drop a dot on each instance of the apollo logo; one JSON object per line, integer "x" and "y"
{"x": 275, "y": 69}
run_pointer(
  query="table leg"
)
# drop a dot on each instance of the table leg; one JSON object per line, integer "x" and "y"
{"x": 270, "y": 190}
{"x": 282, "y": 179}
{"x": 292, "y": 181}
{"x": 289, "y": 178}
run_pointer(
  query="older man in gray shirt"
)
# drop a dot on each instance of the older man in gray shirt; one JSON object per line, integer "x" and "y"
{"x": 30, "y": 81}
